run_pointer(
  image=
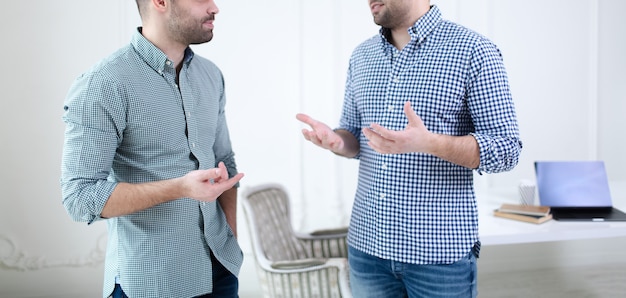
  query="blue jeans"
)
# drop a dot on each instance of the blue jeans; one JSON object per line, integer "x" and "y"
{"x": 225, "y": 284}
{"x": 371, "y": 276}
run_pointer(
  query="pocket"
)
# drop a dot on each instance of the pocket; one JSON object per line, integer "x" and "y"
{"x": 476, "y": 249}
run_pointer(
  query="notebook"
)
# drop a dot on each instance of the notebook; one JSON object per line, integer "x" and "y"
{"x": 576, "y": 191}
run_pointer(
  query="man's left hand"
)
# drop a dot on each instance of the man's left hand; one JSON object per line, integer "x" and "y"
{"x": 414, "y": 138}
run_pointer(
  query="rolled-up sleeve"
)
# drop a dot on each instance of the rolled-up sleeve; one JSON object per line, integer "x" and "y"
{"x": 223, "y": 147}
{"x": 498, "y": 154}
{"x": 91, "y": 138}
{"x": 492, "y": 110}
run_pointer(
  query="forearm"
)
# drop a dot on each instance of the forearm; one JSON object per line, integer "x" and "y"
{"x": 228, "y": 202}
{"x": 130, "y": 198}
{"x": 351, "y": 146}
{"x": 459, "y": 150}
{"x": 201, "y": 185}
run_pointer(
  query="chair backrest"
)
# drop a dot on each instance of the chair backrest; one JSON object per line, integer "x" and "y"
{"x": 267, "y": 210}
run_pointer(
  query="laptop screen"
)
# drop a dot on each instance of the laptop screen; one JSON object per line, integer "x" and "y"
{"x": 572, "y": 184}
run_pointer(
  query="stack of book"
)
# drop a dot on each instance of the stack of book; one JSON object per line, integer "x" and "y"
{"x": 526, "y": 213}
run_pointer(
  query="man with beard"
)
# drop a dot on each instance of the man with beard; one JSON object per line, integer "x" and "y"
{"x": 147, "y": 148}
{"x": 427, "y": 102}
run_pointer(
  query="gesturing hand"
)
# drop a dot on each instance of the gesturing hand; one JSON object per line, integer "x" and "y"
{"x": 208, "y": 185}
{"x": 414, "y": 138}
{"x": 321, "y": 134}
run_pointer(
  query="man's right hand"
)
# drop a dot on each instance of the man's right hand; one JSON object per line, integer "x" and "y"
{"x": 208, "y": 185}
{"x": 321, "y": 134}
{"x": 201, "y": 185}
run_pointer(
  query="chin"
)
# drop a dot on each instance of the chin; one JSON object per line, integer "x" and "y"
{"x": 202, "y": 40}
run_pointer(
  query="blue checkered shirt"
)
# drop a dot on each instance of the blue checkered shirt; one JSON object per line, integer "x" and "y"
{"x": 127, "y": 120}
{"x": 417, "y": 208}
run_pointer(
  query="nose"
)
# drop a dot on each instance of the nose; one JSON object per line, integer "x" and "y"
{"x": 213, "y": 9}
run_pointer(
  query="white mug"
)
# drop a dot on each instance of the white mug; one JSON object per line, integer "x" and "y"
{"x": 527, "y": 192}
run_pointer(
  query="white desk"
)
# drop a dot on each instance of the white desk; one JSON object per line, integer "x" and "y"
{"x": 496, "y": 231}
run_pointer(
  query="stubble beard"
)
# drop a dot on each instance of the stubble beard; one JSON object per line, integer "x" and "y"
{"x": 188, "y": 30}
{"x": 383, "y": 19}
{"x": 387, "y": 18}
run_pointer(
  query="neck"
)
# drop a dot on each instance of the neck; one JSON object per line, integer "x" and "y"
{"x": 400, "y": 37}
{"x": 400, "y": 34}
{"x": 174, "y": 51}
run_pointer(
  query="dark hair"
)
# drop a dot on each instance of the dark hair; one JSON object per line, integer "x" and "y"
{"x": 140, "y": 6}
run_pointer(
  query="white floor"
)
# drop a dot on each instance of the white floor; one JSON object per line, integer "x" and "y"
{"x": 576, "y": 282}
{"x": 602, "y": 281}
{"x": 497, "y": 279}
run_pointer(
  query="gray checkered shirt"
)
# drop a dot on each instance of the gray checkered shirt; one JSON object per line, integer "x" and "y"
{"x": 128, "y": 121}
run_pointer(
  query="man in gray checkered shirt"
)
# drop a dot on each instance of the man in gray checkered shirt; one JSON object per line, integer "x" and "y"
{"x": 147, "y": 148}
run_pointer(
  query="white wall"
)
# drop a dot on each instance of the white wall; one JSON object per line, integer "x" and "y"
{"x": 564, "y": 57}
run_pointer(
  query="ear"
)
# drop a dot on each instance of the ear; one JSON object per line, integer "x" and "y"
{"x": 159, "y": 5}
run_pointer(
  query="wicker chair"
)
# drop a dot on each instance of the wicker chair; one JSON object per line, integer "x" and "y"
{"x": 291, "y": 264}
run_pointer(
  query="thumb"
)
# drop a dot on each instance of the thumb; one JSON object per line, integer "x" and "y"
{"x": 413, "y": 118}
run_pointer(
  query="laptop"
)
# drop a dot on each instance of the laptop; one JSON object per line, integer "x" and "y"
{"x": 576, "y": 191}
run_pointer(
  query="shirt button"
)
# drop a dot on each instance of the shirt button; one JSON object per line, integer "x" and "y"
{"x": 193, "y": 145}
{"x": 188, "y": 115}
{"x": 168, "y": 62}
{"x": 390, "y": 108}
{"x": 384, "y": 167}
{"x": 382, "y": 195}
{"x": 396, "y": 80}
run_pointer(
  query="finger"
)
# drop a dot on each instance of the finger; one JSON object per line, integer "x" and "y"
{"x": 368, "y": 132}
{"x": 310, "y": 136}
{"x": 231, "y": 181}
{"x": 374, "y": 144}
{"x": 378, "y": 131}
{"x": 377, "y": 141}
{"x": 313, "y": 137}
{"x": 221, "y": 171}
{"x": 235, "y": 179}
{"x": 228, "y": 184}
{"x": 216, "y": 174}
{"x": 307, "y": 134}
{"x": 323, "y": 137}
{"x": 413, "y": 118}
{"x": 306, "y": 119}
{"x": 210, "y": 174}
{"x": 373, "y": 137}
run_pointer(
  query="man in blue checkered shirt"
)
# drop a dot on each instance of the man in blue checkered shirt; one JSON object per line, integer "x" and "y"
{"x": 427, "y": 102}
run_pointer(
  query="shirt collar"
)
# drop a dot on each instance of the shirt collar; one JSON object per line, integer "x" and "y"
{"x": 422, "y": 28}
{"x": 152, "y": 55}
